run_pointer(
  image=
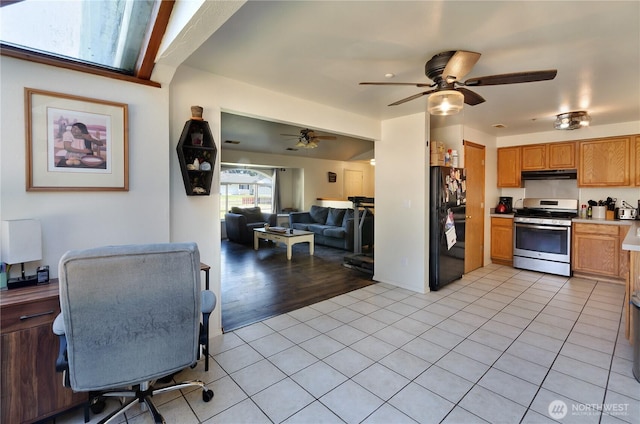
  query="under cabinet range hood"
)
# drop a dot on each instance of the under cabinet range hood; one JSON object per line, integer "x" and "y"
{"x": 550, "y": 174}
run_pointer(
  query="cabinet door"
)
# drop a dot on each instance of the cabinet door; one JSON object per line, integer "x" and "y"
{"x": 509, "y": 167}
{"x": 31, "y": 388}
{"x": 605, "y": 162}
{"x": 534, "y": 157}
{"x": 596, "y": 254}
{"x": 502, "y": 240}
{"x": 623, "y": 266}
{"x": 562, "y": 155}
{"x": 637, "y": 161}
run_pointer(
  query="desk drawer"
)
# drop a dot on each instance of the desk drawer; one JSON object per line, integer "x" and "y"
{"x": 28, "y": 315}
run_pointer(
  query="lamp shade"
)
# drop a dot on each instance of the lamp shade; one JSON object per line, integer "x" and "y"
{"x": 445, "y": 102}
{"x": 21, "y": 241}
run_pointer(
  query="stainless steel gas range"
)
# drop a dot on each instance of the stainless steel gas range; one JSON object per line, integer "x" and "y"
{"x": 542, "y": 235}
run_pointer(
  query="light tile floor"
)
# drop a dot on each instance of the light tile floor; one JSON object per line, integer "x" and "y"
{"x": 499, "y": 346}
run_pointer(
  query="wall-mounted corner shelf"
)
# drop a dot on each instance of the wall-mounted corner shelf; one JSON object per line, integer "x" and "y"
{"x": 197, "y": 155}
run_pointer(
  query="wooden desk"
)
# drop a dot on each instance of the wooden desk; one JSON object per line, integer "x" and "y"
{"x": 31, "y": 388}
{"x": 205, "y": 268}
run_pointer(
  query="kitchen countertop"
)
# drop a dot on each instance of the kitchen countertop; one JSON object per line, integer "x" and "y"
{"x": 632, "y": 240}
{"x": 604, "y": 221}
{"x": 502, "y": 215}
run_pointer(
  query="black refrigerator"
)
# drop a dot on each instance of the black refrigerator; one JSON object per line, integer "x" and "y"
{"x": 448, "y": 197}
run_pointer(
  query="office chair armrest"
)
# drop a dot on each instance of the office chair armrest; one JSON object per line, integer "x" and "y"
{"x": 207, "y": 301}
{"x": 58, "y": 325}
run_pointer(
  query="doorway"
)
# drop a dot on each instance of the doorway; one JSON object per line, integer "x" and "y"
{"x": 353, "y": 183}
{"x": 474, "y": 163}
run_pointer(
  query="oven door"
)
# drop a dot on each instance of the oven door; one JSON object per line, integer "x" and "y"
{"x": 546, "y": 242}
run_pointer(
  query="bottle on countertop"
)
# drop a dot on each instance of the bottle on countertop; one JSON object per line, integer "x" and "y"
{"x": 589, "y": 212}
{"x": 583, "y": 212}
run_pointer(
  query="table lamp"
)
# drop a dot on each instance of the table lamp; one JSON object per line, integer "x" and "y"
{"x": 21, "y": 242}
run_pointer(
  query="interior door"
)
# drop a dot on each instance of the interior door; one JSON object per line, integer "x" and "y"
{"x": 474, "y": 160}
{"x": 353, "y": 183}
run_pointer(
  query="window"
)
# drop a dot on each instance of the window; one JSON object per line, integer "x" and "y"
{"x": 245, "y": 188}
{"x": 104, "y": 36}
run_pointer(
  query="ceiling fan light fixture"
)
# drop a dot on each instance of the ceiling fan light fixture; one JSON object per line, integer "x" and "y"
{"x": 572, "y": 120}
{"x": 445, "y": 102}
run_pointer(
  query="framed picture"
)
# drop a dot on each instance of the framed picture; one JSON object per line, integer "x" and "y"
{"x": 75, "y": 143}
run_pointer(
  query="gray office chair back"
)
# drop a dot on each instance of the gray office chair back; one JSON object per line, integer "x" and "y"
{"x": 131, "y": 313}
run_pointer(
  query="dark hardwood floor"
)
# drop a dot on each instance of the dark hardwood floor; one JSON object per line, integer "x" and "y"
{"x": 260, "y": 284}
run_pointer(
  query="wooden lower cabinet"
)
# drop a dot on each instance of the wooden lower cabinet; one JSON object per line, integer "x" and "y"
{"x": 502, "y": 240}
{"x": 31, "y": 389}
{"x": 597, "y": 251}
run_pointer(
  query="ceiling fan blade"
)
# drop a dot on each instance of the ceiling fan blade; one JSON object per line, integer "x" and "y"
{"x": 471, "y": 98}
{"x": 415, "y": 96}
{"x": 291, "y": 135}
{"x": 414, "y": 84}
{"x": 460, "y": 65}
{"x": 324, "y": 137}
{"x": 513, "y": 78}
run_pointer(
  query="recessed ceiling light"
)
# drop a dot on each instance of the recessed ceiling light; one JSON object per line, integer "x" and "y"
{"x": 291, "y": 149}
{"x": 389, "y": 75}
{"x": 499, "y": 126}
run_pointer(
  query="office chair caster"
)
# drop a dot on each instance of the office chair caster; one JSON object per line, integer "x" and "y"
{"x": 97, "y": 405}
{"x": 207, "y": 395}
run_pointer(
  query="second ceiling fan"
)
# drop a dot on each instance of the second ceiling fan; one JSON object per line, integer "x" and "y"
{"x": 446, "y": 70}
{"x": 308, "y": 138}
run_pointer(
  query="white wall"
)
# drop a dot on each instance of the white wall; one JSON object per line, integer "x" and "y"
{"x": 402, "y": 213}
{"x": 75, "y": 220}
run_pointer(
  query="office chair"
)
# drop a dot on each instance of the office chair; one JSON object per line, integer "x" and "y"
{"x": 130, "y": 315}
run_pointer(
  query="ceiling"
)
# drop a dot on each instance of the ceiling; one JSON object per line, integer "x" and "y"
{"x": 321, "y": 50}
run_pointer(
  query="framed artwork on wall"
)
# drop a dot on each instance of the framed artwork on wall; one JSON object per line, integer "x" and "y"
{"x": 75, "y": 143}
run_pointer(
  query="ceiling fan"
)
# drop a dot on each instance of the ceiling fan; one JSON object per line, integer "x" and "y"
{"x": 446, "y": 70}
{"x": 308, "y": 138}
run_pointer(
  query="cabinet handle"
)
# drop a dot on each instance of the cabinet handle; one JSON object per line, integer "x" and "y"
{"x": 24, "y": 317}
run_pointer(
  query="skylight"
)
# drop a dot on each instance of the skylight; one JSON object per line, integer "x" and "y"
{"x": 109, "y": 34}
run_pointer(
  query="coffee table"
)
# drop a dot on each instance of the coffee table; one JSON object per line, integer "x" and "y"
{"x": 288, "y": 238}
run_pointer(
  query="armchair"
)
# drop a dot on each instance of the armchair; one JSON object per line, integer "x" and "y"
{"x": 240, "y": 223}
{"x": 130, "y": 315}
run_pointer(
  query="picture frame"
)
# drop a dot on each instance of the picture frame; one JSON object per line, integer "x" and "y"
{"x": 75, "y": 143}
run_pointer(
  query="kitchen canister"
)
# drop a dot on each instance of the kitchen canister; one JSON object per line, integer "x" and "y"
{"x": 598, "y": 212}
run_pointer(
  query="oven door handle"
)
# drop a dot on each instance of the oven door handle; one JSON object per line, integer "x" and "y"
{"x": 542, "y": 227}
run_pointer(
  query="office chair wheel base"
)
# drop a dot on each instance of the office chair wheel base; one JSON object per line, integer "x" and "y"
{"x": 207, "y": 395}
{"x": 97, "y": 405}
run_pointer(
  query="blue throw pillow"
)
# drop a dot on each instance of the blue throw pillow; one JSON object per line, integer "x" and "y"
{"x": 252, "y": 214}
{"x": 335, "y": 217}
{"x": 347, "y": 216}
{"x": 319, "y": 213}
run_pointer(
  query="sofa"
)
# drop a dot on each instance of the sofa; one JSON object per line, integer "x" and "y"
{"x": 332, "y": 226}
{"x": 240, "y": 223}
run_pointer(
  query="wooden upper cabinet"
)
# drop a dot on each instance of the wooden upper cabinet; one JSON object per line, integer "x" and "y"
{"x": 562, "y": 155}
{"x": 537, "y": 157}
{"x": 605, "y": 162}
{"x": 509, "y": 167}
{"x": 534, "y": 157}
